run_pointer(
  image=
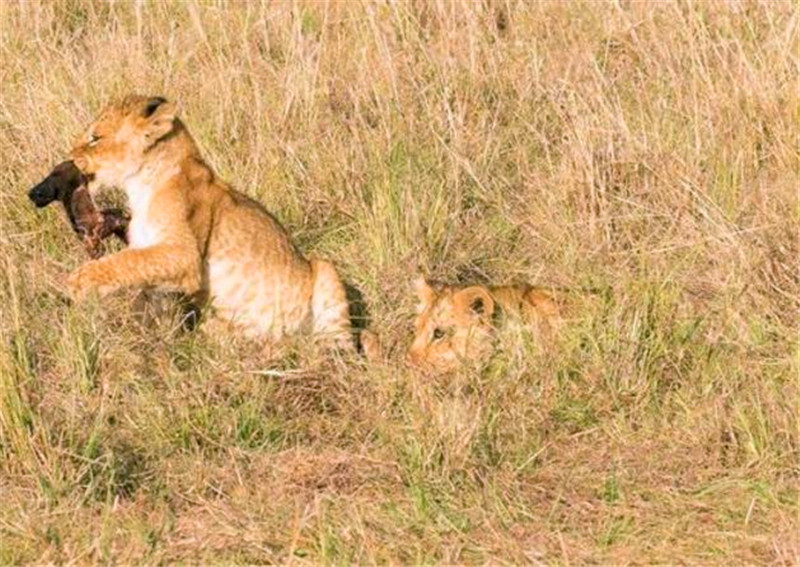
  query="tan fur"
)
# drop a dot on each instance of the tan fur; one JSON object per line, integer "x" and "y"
{"x": 455, "y": 325}
{"x": 190, "y": 232}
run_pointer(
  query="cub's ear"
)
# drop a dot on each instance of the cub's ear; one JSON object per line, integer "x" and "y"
{"x": 425, "y": 293}
{"x": 159, "y": 115}
{"x": 474, "y": 301}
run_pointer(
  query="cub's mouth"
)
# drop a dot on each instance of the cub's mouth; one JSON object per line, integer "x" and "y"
{"x": 61, "y": 182}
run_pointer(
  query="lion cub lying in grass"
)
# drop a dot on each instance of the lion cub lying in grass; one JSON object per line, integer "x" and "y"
{"x": 455, "y": 325}
{"x": 190, "y": 232}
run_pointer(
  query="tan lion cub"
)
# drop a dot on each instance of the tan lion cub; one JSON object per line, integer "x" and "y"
{"x": 457, "y": 324}
{"x": 189, "y": 231}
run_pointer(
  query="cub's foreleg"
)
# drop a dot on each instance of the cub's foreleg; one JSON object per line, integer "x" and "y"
{"x": 172, "y": 266}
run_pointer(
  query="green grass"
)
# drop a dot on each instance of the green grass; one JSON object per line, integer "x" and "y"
{"x": 649, "y": 151}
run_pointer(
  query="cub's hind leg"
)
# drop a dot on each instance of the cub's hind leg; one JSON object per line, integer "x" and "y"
{"x": 329, "y": 308}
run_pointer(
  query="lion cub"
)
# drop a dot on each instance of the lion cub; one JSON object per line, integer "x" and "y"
{"x": 455, "y": 325}
{"x": 190, "y": 232}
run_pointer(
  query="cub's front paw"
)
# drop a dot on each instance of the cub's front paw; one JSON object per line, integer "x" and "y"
{"x": 371, "y": 345}
{"x": 82, "y": 281}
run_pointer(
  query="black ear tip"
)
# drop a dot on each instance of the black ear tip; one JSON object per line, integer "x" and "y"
{"x": 152, "y": 105}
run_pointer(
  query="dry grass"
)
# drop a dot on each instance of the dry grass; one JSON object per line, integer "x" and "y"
{"x": 646, "y": 148}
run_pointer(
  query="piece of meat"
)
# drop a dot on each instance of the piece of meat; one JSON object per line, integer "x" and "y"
{"x": 68, "y": 185}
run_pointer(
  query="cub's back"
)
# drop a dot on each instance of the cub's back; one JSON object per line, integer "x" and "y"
{"x": 242, "y": 226}
{"x": 255, "y": 274}
{"x": 531, "y": 304}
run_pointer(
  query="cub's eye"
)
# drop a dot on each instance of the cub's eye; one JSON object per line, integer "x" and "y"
{"x": 93, "y": 139}
{"x": 438, "y": 334}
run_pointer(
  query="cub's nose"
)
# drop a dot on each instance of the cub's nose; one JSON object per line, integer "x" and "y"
{"x": 43, "y": 194}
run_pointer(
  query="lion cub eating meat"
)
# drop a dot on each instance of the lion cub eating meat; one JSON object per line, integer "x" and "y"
{"x": 455, "y": 325}
{"x": 191, "y": 232}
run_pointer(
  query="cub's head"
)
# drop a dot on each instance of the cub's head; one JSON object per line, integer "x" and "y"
{"x": 116, "y": 144}
{"x": 453, "y": 326}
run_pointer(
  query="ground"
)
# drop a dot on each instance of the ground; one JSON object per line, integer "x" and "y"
{"x": 642, "y": 155}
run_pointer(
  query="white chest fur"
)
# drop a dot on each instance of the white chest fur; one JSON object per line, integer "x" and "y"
{"x": 142, "y": 231}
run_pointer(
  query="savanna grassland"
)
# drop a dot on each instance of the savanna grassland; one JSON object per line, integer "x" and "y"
{"x": 643, "y": 155}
